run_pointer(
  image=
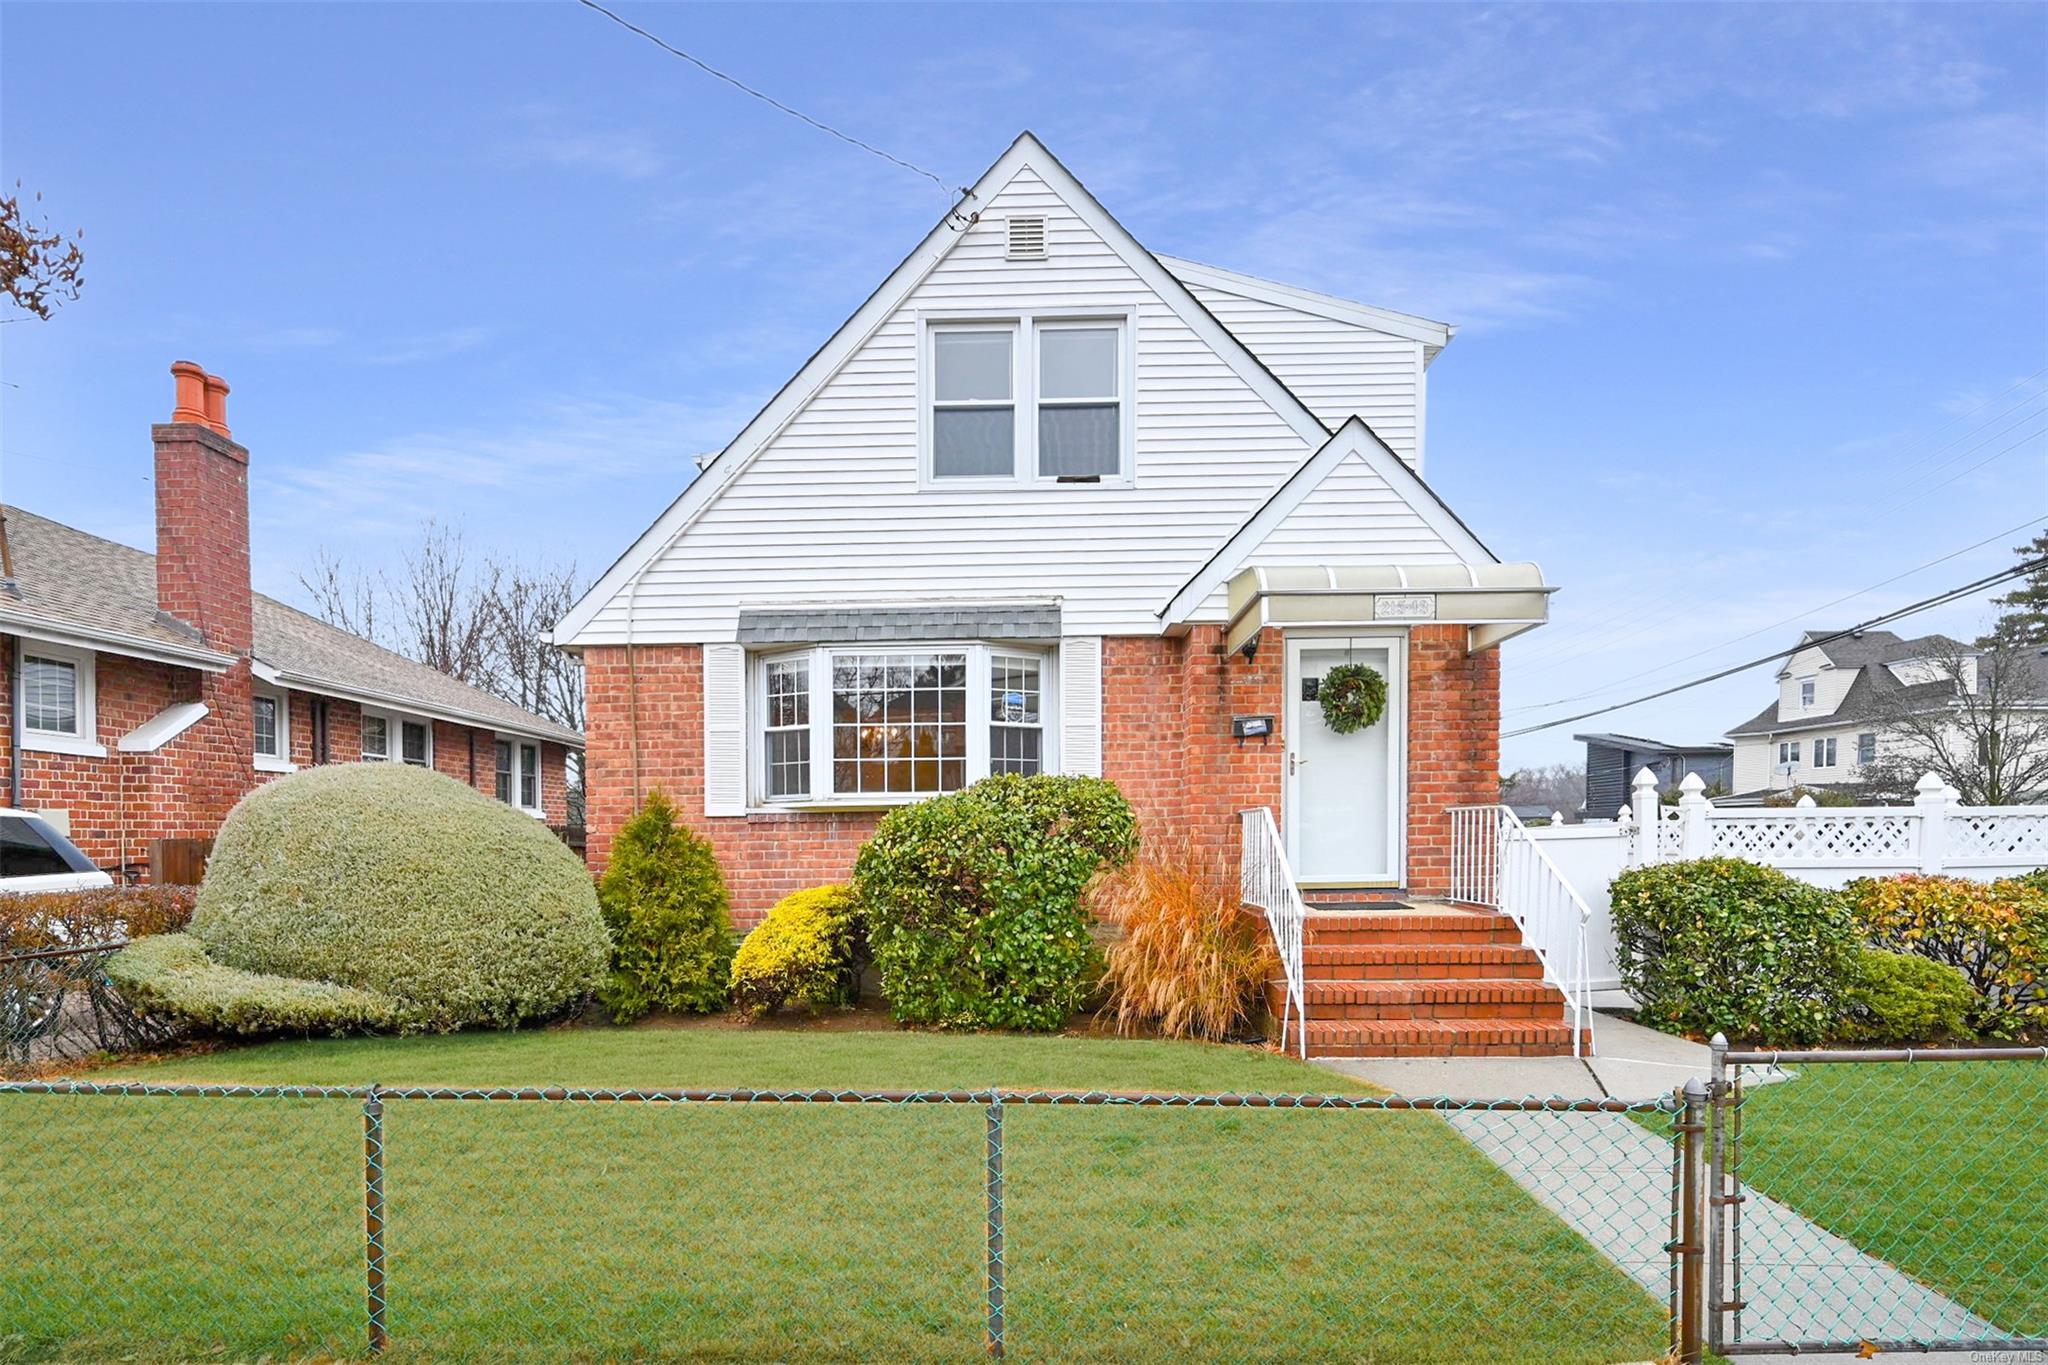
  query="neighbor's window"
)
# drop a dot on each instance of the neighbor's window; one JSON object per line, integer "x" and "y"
{"x": 1806, "y": 691}
{"x": 269, "y": 714}
{"x": 50, "y": 695}
{"x": 1069, "y": 389}
{"x": 974, "y": 407}
{"x": 376, "y": 739}
{"x": 1866, "y": 748}
{"x": 1824, "y": 753}
{"x": 1788, "y": 752}
{"x": 518, "y": 774}
{"x": 1079, "y": 402}
{"x": 897, "y": 723}
{"x": 416, "y": 743}
{"x": 506, "y": 776}
{"x": 529, "y": 776}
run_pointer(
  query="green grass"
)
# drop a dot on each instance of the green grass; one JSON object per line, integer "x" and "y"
{"x": 174, "y": 1228}
{"x": 1940, "y": 1168}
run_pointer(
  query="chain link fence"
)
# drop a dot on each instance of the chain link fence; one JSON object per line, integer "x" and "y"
{"x": 177, "y": 1221}
{"x": 56, "y": 1005}
{"x": 1887, "y": 1200}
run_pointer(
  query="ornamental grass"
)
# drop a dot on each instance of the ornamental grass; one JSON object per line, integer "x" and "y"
{"x": 1190, "y": 961}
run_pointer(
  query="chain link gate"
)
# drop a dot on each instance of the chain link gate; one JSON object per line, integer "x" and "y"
{"x": 1873, "y": 1204}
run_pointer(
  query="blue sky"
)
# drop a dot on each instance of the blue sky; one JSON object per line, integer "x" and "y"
{"x": 1753, "y": 301}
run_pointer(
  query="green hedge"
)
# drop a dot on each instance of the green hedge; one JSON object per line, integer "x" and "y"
{"x": 1994, "y": 933}
{"x": 1719, "y": 944}
{"x": 55, "y": 919}
{"x": 808, "y": 951}
{"x": 974, "y": 900}
{"x": 665, "y": 907}
{"x": 1899, "y": 998}
{"x": 171, "y": 976}
{"x": 394, "y": 884}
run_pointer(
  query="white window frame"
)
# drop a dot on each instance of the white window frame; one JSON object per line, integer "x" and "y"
{"x": 979, "y": 719}
{"x": 363, "y": 748}
{"x": 279, "y": 760}
{"x": 522, "y": 749}
{"x": 1809, "y": 693}
{"x": 1825, "y": 753}
{"x": 394, "y": 736}
{"x": 1025, "y": 326}
{"x": 85, "y": 669}
{"x": 1862, "y": 747}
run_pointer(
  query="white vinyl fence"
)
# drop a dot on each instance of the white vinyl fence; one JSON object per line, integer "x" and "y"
{"x": 1826, "y": 845}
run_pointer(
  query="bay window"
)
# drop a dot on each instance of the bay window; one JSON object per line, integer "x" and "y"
{"x": 1028, "y": 399}
{"x": 881, "y": 725}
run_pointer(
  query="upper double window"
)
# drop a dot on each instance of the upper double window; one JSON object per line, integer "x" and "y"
{"x": 1028, "y": 400}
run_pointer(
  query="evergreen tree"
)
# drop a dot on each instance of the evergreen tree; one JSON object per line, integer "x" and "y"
{"x": 2024, "y": 621}
{"x": 664, "y": 901}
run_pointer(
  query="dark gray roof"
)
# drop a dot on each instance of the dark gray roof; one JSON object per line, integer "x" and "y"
{"x": 1875, "y": 691}
{"x": 1877, "y": 647}
{"x": 68, "y": 581}
{"x": 964, "y": 621}
{"x": 1637, "y": 744}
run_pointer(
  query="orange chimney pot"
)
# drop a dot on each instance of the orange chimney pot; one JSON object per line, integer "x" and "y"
{"x": 190, "y": 405}
{"x": 217, "y": 404}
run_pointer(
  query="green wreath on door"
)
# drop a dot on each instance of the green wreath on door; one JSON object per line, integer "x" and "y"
{"x": 1353, "y": 696}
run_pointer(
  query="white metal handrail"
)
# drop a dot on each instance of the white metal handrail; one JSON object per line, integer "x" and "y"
{"x": 1267, "y": 882}
{"x": 1495, "y": 864}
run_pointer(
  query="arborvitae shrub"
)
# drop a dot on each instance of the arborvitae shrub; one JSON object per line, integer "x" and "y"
{"x": 664, "y": 902}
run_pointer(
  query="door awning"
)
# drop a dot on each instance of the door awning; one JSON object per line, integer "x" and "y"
{"x": 1495, "y": 601}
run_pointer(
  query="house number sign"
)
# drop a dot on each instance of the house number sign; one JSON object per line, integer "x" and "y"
{"x": 1405, "y": 606}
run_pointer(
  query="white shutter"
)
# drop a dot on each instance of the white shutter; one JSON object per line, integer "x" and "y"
{"x": 725, "y": 730}
{"x": 1081, "y": 705}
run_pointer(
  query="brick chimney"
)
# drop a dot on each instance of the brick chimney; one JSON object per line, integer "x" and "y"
{"x": 202, "y": 514}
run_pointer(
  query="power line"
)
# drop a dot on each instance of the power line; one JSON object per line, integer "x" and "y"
{"x": 1746, "y": 635}
{"x": 767, "y": 99}
{"x": 1924, "y": 604}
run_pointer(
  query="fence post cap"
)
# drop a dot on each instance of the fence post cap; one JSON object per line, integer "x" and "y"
{"x": 1695, "y": 1089}
{"x": 1929, "y": 789}
{"x": 1645, "y": 780}
{"x": 1718, "y": 1040}
{"x": 1806, "y": 802}
{"x": 1624, "y": 816}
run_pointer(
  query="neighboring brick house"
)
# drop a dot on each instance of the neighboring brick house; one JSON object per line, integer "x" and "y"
{"x": 146, "y": 694}
{"x": 1049, "y": 503}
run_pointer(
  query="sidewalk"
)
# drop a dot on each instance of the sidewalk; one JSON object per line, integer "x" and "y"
{"x": 1634, "y": 1063}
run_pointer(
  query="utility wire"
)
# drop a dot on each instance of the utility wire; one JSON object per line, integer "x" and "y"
{"x": 1924, "y": 604}
{"x": 770, "y": 100}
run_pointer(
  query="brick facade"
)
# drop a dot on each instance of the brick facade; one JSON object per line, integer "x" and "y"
{"x": 116, "y": 805}
{"x": 1167, "y": 707}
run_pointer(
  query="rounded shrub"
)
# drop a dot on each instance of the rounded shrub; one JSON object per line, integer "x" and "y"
{"x": 665, "y": 905}
{"x": 1719, "y": 944}
{"x": 405, "y": 884}
{"x": 170, "y": 976}
{"x": 1994, "y": 933}
{"x": 1899, "y": 998}
{"x": 808, "y": 951}
{"x": 974, "y": 900}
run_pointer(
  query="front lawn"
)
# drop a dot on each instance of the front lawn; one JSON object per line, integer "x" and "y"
{"x": 171, "y": 1228}
{"x": 1940, "y": 1168}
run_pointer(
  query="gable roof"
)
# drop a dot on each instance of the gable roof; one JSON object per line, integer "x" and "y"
{"x": 1027, "y": 152}
{"x": 1873, "y": 647}
{"x": 75, "y": 587}
{"x": 1354, "y": 438}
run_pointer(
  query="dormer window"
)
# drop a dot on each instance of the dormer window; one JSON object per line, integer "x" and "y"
{"x": 1806, "y": 693}
{"x": 1028, "y": 400}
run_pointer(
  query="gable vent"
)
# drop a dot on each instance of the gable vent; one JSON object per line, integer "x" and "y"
{"x": 1027, "y": 239}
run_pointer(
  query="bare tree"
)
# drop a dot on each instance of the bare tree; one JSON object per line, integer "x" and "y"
{"x": 1979, "y": 722}
{"x": 527, "y": 669}
{"x": 342, "y": 594}
{"x": 1560, "y": 786}
{"x": 446, "y": 607}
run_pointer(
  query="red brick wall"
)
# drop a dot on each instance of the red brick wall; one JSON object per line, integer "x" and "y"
{"x": 1453, "y": 745}
{"x": 119, "y": 803}
{"x": 1167, "y": 708}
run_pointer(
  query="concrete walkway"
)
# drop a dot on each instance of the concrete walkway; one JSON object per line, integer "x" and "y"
{"x": 1609, "y": 1178}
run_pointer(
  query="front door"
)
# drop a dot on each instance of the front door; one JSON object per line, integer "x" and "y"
{"x": 1344, "y": 813}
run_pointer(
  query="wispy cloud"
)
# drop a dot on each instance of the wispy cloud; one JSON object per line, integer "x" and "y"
{"x": 556, "y": 138}
{"x": 426, "y": 346}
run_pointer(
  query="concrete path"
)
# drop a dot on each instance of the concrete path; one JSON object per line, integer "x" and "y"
{"x": 1609, "y": 1178}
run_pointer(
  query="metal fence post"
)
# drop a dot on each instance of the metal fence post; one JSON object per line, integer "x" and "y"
{"x": 1692, "y": 1289}
{"x": 992, "y": 1342}
{"x": 373, "y": 1216}
{"x": 1717, "y": 1186}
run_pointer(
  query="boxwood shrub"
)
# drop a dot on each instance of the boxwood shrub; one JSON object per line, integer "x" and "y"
{"x": 388, "y": 881}
{"x": 1899, "y": 998}
{"x": 1719, "y": 944}
{"x": 665, "y": 906}
{"x": 808, "y": 951}
{"x": 1994, "y": 933}
{"x": 975, "y": 900}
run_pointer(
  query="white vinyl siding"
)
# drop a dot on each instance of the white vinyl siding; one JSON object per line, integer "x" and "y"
{"x": 1337, "y": 368}
{"x": 1353, "y": 517}
{"x": 834, "y": 510}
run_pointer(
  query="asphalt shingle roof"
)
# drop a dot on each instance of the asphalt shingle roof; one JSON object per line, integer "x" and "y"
{"x": 1875, "y": 690}
{"x": 67, "y": 579}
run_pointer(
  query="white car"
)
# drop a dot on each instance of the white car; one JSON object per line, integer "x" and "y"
{"x": 35, "y": 857}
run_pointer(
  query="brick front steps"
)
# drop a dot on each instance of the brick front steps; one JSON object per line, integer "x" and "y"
{"x": 1424, "y": 981}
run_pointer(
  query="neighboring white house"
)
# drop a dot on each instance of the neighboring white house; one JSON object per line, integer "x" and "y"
{"x": 1824, "y": 729}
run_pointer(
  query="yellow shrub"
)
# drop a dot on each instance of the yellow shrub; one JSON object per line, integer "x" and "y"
{"x": 1995, "y": 933}
{"x": 808, "y": 951}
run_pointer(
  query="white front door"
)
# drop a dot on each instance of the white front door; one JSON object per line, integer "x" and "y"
{"x": 1345, "y": 812}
